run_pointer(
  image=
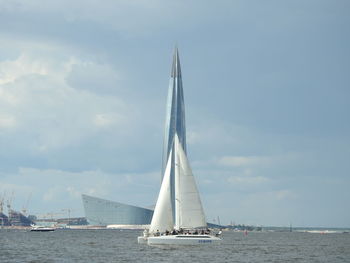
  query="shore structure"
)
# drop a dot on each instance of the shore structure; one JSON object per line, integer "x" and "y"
{"x": 178, "y": 217}
{"x": 101, "y": 212}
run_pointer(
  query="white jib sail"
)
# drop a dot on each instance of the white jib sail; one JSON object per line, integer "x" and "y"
{"x": 189, "y": 210}
{"x": 162, "y": 219}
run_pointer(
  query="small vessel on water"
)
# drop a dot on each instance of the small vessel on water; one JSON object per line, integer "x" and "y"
{"x": 189, "y": 226}
{"x": 38, "y": 228}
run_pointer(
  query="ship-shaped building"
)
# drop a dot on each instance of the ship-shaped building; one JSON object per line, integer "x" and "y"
{"x": 103, "y": 212}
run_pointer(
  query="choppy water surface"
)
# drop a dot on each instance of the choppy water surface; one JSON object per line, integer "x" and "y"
{"x": 121, "y": 246}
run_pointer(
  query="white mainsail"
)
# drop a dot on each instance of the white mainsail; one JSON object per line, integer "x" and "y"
{"x": 188, "y": 207}
{"x": 162, "y": 219}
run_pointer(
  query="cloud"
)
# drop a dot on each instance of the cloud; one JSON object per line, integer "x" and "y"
{"x": 98, "y": 78}
{"x": 105, "y": 120}
{"x": 22, "y": 66}
{"x": 7, "y": 121}
{"x": 285, "y": 194}
{"x": 247, "y": 180}
{"x": 241, "y": 161}
{"x": 39, "y": 102}
{"x": 69, "y": 111}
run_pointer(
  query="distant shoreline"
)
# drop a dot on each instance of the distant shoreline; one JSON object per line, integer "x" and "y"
{"x": 322, "y": 230}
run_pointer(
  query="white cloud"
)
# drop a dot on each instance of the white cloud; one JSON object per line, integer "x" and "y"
{"x": 52, "y": 193}
{"x": 247, "y": 179}
{"x": 94, "y": 77}
{"x": 284, "y": 194}
{"x": 42, "y": 106}
{"x": 10, "y": 189}
{"x": 7, "y": 121}
{"x": 209, "y": 131}
{"x": 64, "y": 109}
{"x": 73, "y": 192}
{"x": 244, "y": 161}
{"x": 26, "y": 64}
{"x": 104, "y": 120}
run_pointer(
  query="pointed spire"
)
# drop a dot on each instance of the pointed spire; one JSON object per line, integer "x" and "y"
{"x": 176, "y": 69}
{"x": 175, "y": 115}
{"x": 174, "y": 121}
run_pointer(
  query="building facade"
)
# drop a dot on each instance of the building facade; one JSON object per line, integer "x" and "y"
{"x": 175, "y": 111}
{"x": 101, "y": 212}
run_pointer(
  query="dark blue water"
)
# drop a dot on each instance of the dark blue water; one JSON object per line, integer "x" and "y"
{"x": 121, "y": 246}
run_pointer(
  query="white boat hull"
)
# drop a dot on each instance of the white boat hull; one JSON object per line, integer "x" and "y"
{"x": 142, "y": 240}
{"x": 42, "y": 229}
{"x": 183, "y": 240}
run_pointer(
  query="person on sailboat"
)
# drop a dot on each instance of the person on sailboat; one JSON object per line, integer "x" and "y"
{"x": 145, "y": 233}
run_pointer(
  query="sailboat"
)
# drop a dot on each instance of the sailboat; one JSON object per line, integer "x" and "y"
{"x": 181, "y": 222}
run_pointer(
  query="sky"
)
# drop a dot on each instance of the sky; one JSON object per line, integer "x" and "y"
{"x": 83, "y": 87}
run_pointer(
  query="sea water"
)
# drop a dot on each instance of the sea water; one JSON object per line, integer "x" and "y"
{"x": 122, "y": 246}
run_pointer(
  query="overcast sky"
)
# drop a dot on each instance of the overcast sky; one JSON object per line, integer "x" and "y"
{"x": 83, "y": 88}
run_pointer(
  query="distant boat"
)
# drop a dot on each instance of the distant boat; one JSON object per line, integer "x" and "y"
{"x": 42, "y": 228}
{"x": 190, "y": 227}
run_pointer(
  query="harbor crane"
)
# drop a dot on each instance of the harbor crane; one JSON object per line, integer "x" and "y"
{"x": 68, "y": 210}
{"x": 2, "y": 204}
{"x": 9, "y": 202}
{"x": 25, "y": 206}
